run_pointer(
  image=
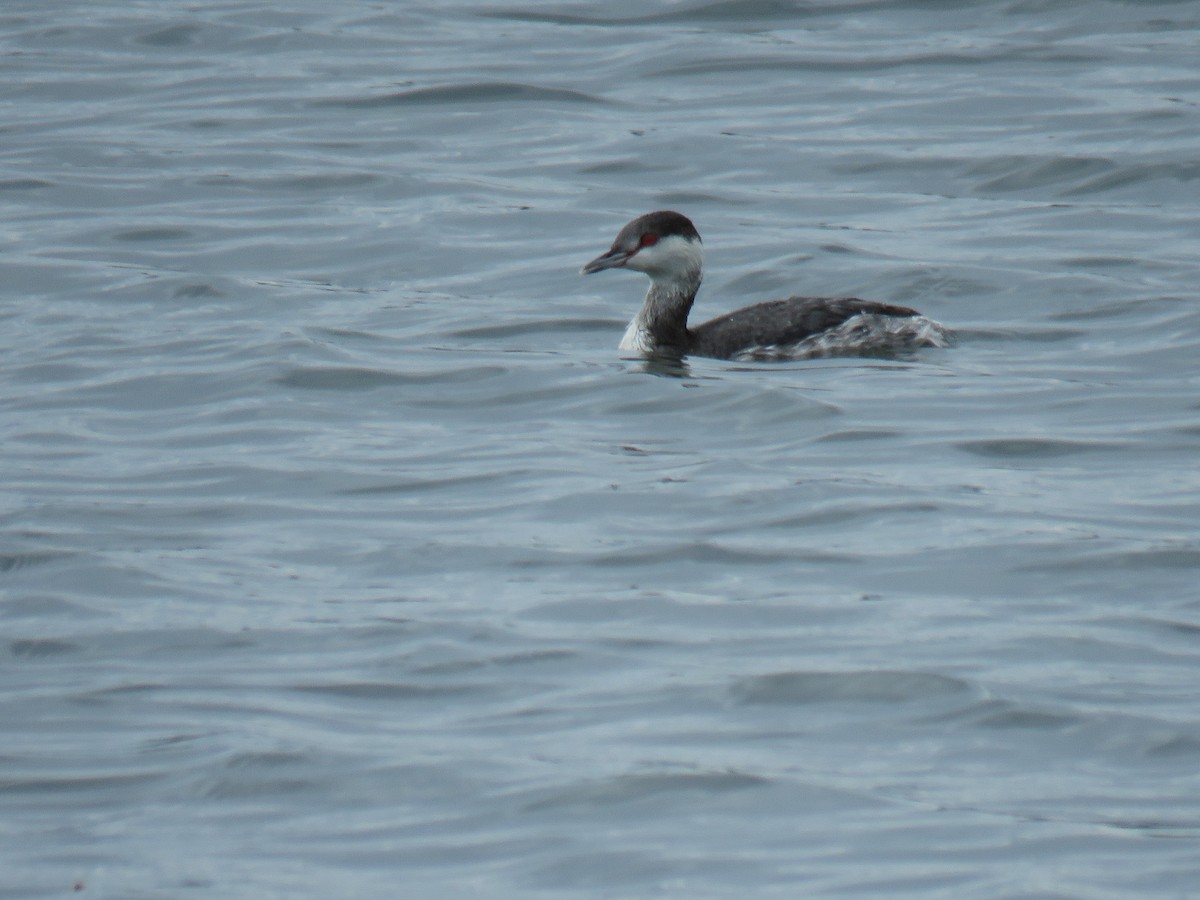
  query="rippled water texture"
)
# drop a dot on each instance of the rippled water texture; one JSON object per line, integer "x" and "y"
{"x": 344, "y": 556}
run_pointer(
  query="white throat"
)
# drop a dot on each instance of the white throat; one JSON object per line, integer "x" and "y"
{"x": 637, "y": 337}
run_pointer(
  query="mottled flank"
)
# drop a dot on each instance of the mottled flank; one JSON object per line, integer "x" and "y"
{"x": 864, "y": 334}
{"x": 804, "y": 327}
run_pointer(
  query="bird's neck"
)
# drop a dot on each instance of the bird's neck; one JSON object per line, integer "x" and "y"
{"x": 661, "y": 324}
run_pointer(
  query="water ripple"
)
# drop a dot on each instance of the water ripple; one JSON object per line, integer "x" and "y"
{"x": 856, "y": 687}
{"x": 454, "y": 94}
{"x": 333, "y": 518}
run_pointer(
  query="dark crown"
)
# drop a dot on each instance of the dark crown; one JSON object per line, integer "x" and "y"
{"x": 665, "y": 223}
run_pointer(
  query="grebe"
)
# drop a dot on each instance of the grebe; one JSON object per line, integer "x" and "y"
{"x": 666, "y": 246}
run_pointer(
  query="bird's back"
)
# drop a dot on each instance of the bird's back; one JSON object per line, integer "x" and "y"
{"x": 766, "y": 328}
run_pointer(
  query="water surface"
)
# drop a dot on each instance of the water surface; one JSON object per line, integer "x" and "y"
{"x": 343, "y": 553}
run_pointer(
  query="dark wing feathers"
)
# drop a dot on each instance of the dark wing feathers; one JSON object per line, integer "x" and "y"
{"x": 780, "y": 322}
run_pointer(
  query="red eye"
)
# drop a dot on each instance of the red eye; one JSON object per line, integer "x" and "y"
{"x": 649, "y": 240}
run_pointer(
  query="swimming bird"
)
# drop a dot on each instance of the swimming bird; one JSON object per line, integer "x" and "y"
{"x": 666, "y": 246}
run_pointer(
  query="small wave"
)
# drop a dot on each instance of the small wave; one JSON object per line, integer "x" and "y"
{"x": 73, "y": 786}
{"x": 379, "y": 690}
{"x": 1031, "y": 448}
{"x": 1181, "y": 556}
{"x": 420, "y": 485}
{"x": 860, "y": 686}
{"x": 638, "y": 788}
{"x": 734, "y": 11}
{"x": 537, "y": 326}
{"x": 161, "y": 233}
{"x": 1125, "y": 176}
{"x": 478, "y": 92}
{"x": 1075, "y": 176}
{"x": 35, "y": 649}
{"x": 708, "y": 553}
{"x": 181, "y": 35}
{"x": 299, "y": 181}
{"x": 196, "y": 291}
{"x": 12, "y": 561}
{"x": 24, "y": 184}
{"x": 353, "y": 378}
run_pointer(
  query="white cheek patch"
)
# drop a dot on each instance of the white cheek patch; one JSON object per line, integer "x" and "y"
{"x": 672, "y": 255}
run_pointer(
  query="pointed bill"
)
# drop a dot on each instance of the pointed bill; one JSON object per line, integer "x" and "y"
{"x": 613, "y": 259}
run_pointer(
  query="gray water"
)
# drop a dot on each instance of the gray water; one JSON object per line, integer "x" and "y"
{"x": 343, "y": 555}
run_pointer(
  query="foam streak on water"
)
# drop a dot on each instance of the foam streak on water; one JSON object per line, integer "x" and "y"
{"x": 343, "y": 555}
